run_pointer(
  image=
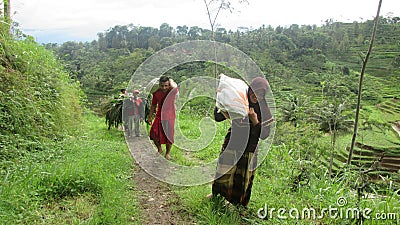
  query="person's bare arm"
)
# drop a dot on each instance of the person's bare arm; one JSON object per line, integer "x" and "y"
{"x": 152, "y": 110}
{"x": 253, "y": 117}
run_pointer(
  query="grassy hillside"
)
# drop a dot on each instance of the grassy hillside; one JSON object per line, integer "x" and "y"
{"x": 56, "y": 166}
{"x": 39, "y": 103}
{"x": 83, "y": 179}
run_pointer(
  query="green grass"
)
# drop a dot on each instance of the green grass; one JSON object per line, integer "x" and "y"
{"x": 273, "y": 188}
{"x": 88, "y": 180}
{"x": 275, "y": 183}
{"x": 200, "y": 139}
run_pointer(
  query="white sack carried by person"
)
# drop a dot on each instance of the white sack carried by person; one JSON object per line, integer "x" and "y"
{"x": 232, "y": 97}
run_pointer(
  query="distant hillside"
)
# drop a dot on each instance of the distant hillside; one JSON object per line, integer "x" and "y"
{"x": 297, "y": 59}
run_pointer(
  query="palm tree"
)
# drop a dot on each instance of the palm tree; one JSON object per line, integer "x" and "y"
{"x": 295, "y": 108}
{"x": 333, "y": 118}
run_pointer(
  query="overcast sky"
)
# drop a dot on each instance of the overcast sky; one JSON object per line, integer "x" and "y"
{"x": 81, "y": 20}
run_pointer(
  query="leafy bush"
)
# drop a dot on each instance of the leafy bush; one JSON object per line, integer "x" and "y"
{"x": 61, "y": 185}
{"x": 38, "y": 100}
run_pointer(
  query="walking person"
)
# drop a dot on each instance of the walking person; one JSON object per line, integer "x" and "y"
{"x": 124, "y": 97}
{"x": 138, "y": 112}
{"x": 134, "y": 110}
{"x": 237, "y": 163}
{"x": 163, "y": 103}
{"x": 123, "y": 94}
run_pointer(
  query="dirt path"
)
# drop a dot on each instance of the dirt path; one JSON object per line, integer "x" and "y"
{"x": 156, "y": 198}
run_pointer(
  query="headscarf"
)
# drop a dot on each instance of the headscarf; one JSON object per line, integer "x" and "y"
{"x": 260, "y": 86}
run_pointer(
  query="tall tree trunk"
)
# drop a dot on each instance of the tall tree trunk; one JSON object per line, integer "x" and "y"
{"x": 212, "y": 24}
{"x": 7, "y": 14}
{"x": 333, "y": 144}
{"x": 365, "y": 60}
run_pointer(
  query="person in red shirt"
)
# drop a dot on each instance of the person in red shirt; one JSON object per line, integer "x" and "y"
{"x": 138, "y": 111}
{"x": 162, "y": 128}
{"x": 134, "y": 112}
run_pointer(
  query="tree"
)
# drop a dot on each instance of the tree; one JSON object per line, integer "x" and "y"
{"x": 144, "y": 35}
{"x": 344, "y": 43}
{"x": 165, "y": 31}
{"x": 295, "y": 108}
{"x": 365, "y": 60}
{"x": 194, "y": 32}
{"x": 132, "y": 37}
{"x": 332, "y": 119}
{"x": 182, "y": 30}
{"x": 7, "y": 12}
{"x": 166, "y": 41}
{"x": 102, "y": 42}
{"x": 154, "y": 43}
{"x": 219, "y": 5}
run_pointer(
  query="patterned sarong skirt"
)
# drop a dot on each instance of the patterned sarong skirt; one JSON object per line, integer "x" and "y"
{"x": 234, "y": 176}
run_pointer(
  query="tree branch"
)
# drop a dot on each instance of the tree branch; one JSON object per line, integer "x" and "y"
{"x": 353, "y": 140}
{"x": 209, "y": 14}
{"x": 219, "y": 9}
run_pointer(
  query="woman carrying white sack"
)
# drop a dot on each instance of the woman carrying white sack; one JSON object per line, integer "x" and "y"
{"x": 251, "y": 119}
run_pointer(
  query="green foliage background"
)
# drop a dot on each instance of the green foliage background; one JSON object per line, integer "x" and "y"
{"x": 295, "y": 58}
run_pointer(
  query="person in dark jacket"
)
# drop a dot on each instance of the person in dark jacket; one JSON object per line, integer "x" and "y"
{"x": 237, "y": 162}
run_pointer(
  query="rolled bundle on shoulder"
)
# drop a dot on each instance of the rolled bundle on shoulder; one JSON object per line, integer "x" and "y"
{"x": 153, "y": 86}
{"x": 232, "y": 97}
{"x": 172, "y": 83}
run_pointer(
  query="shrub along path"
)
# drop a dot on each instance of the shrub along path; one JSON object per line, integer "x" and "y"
{"x": 156, "y": 198}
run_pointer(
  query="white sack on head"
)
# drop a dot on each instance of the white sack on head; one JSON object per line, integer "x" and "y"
{"x": 232, "y": 96}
